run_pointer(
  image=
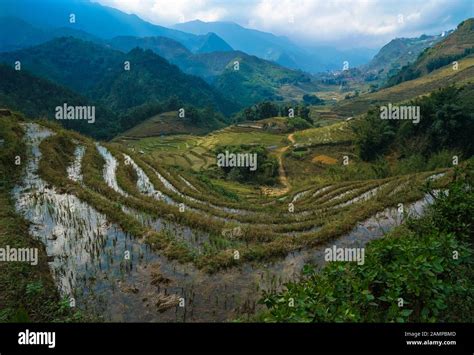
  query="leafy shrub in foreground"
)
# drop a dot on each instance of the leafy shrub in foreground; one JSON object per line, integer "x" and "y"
{"x": 415, "y": 263}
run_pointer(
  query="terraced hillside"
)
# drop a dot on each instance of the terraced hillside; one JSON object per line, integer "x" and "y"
{"x": 168, "y": 123}
{"x": 454, "y": 47}
{"x": 161, "y": 234}
{"x": 151, "y": 234}
{"x": 196, "y": 152}
{"x": 447, "y": 75}
{"x": 399, "y": 52}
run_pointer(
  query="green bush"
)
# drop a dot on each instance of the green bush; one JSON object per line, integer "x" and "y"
{"x": 446, "y": 123}
{"x": 266, "y": 170}
{"x": 298, "y": 124}
{"x": 373, "y": 136}
{"x": 416, "y": 262}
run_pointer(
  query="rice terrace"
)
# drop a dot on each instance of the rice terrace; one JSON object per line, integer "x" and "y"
{"x": 158, "y": 183}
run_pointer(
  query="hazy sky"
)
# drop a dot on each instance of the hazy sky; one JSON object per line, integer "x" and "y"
{"x": 341, "y": 23}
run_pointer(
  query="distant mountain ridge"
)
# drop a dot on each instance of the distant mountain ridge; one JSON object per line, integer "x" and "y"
{"x": 18, "y": 34}
{"x": 43, "y": 96}
{"x": 398, "y": 53}
{"x": 451, "y": 47}
{"x": 278, "y": 48}
{"x": 261, "y": 44}
{"x": 213, "y": 43}
{"x": 106, "y": 23}
{"x": 248, "y": 79}
{"x": 98, "y": 73}
{"x": 258, "y": 80}
{"x": 98, "y": 20}
{"x": 167, "y": 48}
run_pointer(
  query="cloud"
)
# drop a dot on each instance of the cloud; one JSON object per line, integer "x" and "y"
{"x": 334, "y": 22}
{"x": 169, "y": 12}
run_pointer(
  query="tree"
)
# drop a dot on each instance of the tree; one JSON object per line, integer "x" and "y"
{"x": 373, "y": 135}
{"x": 303, "y": 112}
{"x": 267, "y": 109}
{"x": 312, "y": 100}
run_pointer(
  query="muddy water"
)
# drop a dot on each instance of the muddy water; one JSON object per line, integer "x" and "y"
{"x": 110, "y": 169}
{"x": 193, "y": 239}
{"x": 86, "y": 253}
{"x": 74, "y": 171}
{"x": 88, "y": 259}
{"x": 232, "y": 293}
{"x": 144, "y": 184}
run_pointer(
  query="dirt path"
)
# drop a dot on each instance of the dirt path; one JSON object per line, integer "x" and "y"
{"x": 279, "y": 191}
{"x": 291, "y": 138}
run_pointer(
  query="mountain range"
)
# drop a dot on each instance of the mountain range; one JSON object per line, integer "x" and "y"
{"x": 88, "y": 73}
{"x": 279, "y": 49}
{"x": 199, "y": 37}
{"x": 219, "y": 65}
{"x": 98, "y": 20}
{"x": 43, "y": 96}
{"x": 398, "y": 53}
{"x": 454, "y": 46}
{"x": 80, "y": 65}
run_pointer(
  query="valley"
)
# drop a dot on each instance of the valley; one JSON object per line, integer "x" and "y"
{"x": 208, "y": 172}
{"x": 196, "y": 264}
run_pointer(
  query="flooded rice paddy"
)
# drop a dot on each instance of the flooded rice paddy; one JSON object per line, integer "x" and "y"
{"x": 112, "y": 274}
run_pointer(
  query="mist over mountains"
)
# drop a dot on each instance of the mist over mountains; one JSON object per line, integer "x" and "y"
{"x": 279, "y": 49}
{"x": 113, "y": 132}
{"x": 50, "y": 18}
{"x": 100, "y": 21}
{"x": 31, "y": 22}
{"x": 81, "y": 46}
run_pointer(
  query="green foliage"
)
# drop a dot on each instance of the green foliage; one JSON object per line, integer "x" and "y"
{"x": 138, "y": 114}
{"x": 154, "y": 79}
{"x": 373, "y": 136}
{"x": 312, "y": 100}
{"x": 70, "y": 62}
{"x": 445, "y": 60}
{"x": 259, "y": 111}
{"x": 381, "y": 168}
{"x": 38, "y": 98}
{"x": 267, "y": 109}
{"x": 414, "y": 263}
{"x": 256, "y": 79}
{"x": 418, "y": 163}
{"x": 97, "y": 74}
{"x": 205, "y": 117}
{"x": 267, "y": 166}
{"x": 198, "y": 117}
{"x": 405, "y": 74}
{"x": 304, "y": 112}
{"x": 34, "y": 288}
{"x": 219, "y": 189}
{"x": 10, "y": 147}
{"x": 446, "y": 123}
{"x": 454, "y": 212}
{"x": 298, "y": 123}
{"x": 453, "y": 47}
